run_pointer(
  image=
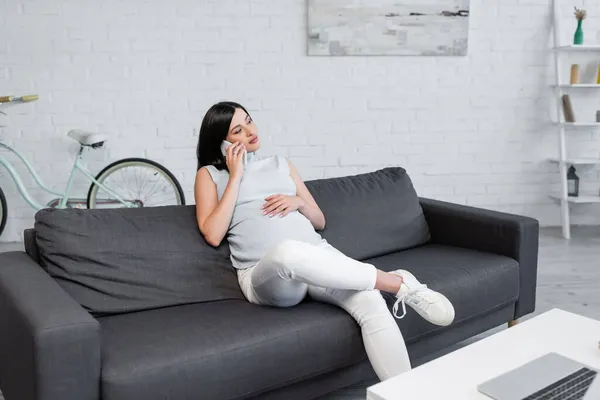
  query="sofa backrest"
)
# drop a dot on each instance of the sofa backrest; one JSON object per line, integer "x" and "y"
{"x": 124, "y": 260}
{"x": 30, "y": 243}
{"x": 371, "y": 214}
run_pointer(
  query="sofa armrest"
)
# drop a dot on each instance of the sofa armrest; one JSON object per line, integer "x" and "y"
{"x": 505, "y": 234}
{"x": 49, "y": 344}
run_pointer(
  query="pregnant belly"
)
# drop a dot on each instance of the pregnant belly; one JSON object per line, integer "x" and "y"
{"x": 252, "y": 237}
{"x": 293, "y": 226}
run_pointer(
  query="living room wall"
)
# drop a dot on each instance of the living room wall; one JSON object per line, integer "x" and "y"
{"x": 473, "y": 130}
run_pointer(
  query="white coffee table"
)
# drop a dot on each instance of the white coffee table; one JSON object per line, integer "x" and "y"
{"x": 456, "y": 375}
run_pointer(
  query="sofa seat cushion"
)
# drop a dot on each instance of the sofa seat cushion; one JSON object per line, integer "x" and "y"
{"x": 475, "y": 282}
{"x": 223, "y": 350}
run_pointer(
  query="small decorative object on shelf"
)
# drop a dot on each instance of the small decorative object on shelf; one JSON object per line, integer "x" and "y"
{"x": 572, "y": 182}
{"x": 598, "y": 81}
{"x": 574, "y": 74}
{"x": 580, "y": 16}
{"x": 598, "y": 116}
{"x": 568, "y": 108}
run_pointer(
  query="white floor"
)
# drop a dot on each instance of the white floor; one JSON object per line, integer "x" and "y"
{"x": 568, "y": 278}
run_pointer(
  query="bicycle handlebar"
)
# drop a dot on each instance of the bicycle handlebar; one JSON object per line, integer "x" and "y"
{"x": 22, "y": 99}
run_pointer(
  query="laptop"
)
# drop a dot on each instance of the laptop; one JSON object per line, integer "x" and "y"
{"x": 551, "y": 376}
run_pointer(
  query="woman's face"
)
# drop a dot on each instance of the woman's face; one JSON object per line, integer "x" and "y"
{"x": 243, "y": 129}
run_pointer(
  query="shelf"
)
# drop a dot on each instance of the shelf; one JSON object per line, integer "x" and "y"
{"x": 579, "y": 124}
{"x": 579, "y": 86}
{"x": 579, "y": 200}
{"x": 577, "y": 161}
{"x": 582, "y": 47}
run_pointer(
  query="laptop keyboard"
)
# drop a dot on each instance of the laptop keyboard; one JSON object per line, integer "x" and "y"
{"x": 572, "y": 387}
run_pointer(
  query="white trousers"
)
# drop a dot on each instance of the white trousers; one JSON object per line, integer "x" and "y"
{"x": 291, "y": 269}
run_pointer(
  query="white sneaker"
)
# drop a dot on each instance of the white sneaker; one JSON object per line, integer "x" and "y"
{"x": 429, "y": 304}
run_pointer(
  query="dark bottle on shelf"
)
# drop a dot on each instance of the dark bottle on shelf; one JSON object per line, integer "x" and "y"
{"x": 572, "y": 182}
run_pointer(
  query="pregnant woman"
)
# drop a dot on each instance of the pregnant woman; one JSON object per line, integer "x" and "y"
{"x": 270, "y": 219}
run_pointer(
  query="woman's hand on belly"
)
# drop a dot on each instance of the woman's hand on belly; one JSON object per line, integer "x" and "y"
{"x": 281, "y": 204}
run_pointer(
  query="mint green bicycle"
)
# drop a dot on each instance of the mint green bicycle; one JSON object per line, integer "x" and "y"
{"x": 130, "y": 182}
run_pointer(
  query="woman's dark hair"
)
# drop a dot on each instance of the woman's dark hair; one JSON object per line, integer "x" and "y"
{"x": 213, "y": 131}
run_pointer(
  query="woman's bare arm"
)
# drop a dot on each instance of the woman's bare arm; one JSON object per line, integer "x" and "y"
{"x": 214, "y": 216}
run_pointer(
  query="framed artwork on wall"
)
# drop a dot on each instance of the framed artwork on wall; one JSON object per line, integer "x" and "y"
{"x": 385, "y": 27}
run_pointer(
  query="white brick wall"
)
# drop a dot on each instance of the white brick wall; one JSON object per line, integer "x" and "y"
{"x": 469, "y": 129}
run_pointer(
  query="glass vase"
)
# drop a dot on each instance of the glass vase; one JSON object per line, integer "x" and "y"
{"x": 578, "y": 37}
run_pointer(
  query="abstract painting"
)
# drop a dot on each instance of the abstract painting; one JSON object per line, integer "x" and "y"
{"x": 387, "y": 27}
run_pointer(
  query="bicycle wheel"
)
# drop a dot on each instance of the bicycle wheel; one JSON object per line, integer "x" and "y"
{"x": 3, "y": 211}
{"x": 137, "y": 181}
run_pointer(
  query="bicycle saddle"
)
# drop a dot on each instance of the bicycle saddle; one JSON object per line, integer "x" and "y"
{"x": 87, "y": 138}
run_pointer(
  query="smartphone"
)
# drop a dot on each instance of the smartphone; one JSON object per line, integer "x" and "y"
{"x": 224, "y": 147}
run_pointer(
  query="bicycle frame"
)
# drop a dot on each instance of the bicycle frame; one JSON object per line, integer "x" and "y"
{"x": 64, "y": 197}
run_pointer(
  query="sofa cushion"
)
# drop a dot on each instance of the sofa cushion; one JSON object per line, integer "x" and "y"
{"x": 223, "y": 350}
{"x": 123, "y": 260}
{"x": 475, "y": 282}
{"x": 372, "y": 214}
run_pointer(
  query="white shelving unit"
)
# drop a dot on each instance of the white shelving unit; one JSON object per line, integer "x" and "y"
{"x": 562, "y": 161}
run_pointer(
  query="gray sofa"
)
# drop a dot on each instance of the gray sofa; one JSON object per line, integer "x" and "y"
{"x": 132, "y": 303}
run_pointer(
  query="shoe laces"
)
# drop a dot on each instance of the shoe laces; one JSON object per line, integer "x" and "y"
{"x": 420, "y": 289}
